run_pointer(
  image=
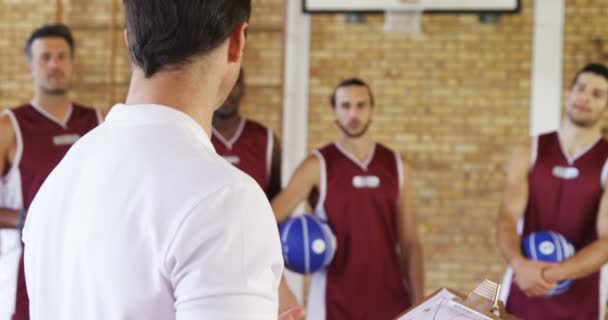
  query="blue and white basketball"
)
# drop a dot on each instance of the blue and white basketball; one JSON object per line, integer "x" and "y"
{"x": 308, "y": 243}
{"x": 549, "y": 246}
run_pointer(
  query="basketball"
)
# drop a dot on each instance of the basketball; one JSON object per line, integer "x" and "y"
{"x": 308, "y": 243}
{"x": 549, "y": 246}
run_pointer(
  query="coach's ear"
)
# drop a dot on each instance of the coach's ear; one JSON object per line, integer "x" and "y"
{"x": 126, "y": 38}
{"x": 236, "y": 43}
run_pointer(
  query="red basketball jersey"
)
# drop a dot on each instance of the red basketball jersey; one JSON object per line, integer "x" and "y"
{"x": 564, "y": 196}
{"x": 250, "y": 150}
{"x": 42, "y": 141}
{"x": 359, "y": 200}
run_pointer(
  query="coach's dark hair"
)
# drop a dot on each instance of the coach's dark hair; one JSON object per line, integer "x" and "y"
{"x": 169, "y": 33}
{"x": 50, "y": 31}
{"x": 595, "y": 68}
{"x": 351, "y": 82}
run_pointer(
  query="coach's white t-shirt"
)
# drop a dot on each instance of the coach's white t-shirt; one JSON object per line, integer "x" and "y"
{"x": 143, "y": 220}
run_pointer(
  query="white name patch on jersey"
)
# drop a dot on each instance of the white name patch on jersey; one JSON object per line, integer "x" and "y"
{"x": 233, "y": 160}
{"x": 65, "y": 139}
{"x": 566, "y": 173}
{"x": 361, "y": 182}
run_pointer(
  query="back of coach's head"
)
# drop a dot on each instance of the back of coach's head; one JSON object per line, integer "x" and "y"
{"x": 170, "y": 34}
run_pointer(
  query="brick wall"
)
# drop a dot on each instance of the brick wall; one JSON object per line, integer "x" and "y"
{"x": 453, "y": 102}
{"x": 264, "y": 64}
{"x": 585, "y": 36}
{"x": 103, "y": 68}
{"x": 16, "y": 21}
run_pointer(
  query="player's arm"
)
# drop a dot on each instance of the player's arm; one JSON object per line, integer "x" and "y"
{"x": 411, "y": 249}
{"x": 528, "y": 274}
{"x": 274, "y": 185}
{"x": 8, "y": 218}
{"x": 289, "y": 309}
{"x": 304, "y": 179}
{"x": 590, "y": 258}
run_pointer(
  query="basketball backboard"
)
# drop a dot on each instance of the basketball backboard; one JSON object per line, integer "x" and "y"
{"x": 430, "y": 6}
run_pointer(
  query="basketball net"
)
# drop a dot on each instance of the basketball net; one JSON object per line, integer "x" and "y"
{"x": 406, "y": 18}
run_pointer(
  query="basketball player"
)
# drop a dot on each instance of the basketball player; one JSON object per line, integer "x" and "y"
{"x": 34, "y": 137}
{"x": 247, "y": 144}
{"x": 142, "y": 219}
{"x": 366, "y": 194}
{"x": 556, "y": 181}
{"x": 255, "y": 150}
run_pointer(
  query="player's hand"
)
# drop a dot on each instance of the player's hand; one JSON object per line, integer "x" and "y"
{"x": 528, "y": 275}
{"x": 289, "y": 309}
{"x": 296, "y": 313}
{"x": 552, "y": 273}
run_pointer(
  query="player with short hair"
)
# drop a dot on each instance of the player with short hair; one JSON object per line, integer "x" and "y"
{"x": 557, "y": 182}
{"x": 366, "y": 195}
{"x": 35, "y": 136}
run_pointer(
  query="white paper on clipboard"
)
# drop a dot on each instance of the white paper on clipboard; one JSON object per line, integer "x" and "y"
{"x": 439, "y": 307}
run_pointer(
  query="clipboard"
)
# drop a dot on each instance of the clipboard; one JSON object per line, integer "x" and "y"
{"x": 445, "y": 304}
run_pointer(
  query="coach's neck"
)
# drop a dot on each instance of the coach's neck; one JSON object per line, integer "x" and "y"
{"x": 186, "y": 89}
{"x": 196, "y": 87}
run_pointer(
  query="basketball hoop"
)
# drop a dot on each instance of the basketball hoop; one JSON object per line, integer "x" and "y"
{"x": 406, "y": 18}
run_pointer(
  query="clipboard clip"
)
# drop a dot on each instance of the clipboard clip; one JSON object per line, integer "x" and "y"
{"x": 482, "y": 303}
